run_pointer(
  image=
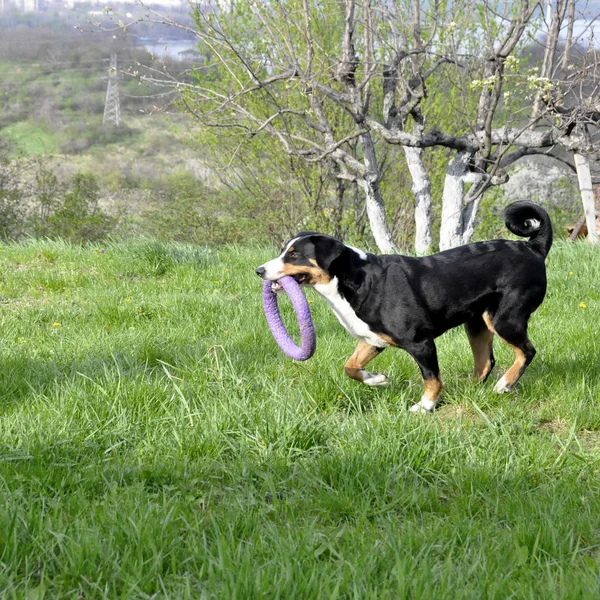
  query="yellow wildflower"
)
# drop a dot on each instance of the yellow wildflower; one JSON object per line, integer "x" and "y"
{"x": 582, "y": 305}
{"x": 56, "y": 324}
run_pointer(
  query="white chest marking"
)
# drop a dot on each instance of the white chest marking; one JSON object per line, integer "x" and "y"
{"x": 346, "y": 315}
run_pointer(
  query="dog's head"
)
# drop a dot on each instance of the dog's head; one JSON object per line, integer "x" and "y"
{"x": 308, "y": 258}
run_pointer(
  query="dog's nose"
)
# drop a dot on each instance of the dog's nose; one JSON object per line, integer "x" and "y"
{"x": 260, "y": 271}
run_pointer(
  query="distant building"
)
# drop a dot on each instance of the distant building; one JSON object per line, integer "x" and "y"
{"x": 27, "y": 6}
{"x": 24, "y": 6}
{"x": 178, "y": 4}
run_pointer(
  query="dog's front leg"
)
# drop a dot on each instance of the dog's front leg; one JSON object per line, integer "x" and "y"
{"x": 355, "y": 366}
{"x": 426, "y": 356}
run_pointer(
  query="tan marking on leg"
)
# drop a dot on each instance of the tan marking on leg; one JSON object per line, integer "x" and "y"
{"x": 508, "y": 381}
{"x": 355, "y": 366}
{"x": 482, "y": 345}
{"x": 388, "y": 339}
{"x": 433, "y": 388}
{"x": 514, "y": 373}
{"x": 488, "y": 322}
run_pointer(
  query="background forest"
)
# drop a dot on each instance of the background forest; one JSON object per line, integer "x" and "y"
{"x": 165, "y": 174}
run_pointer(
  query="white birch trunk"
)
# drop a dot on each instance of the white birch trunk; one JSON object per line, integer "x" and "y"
{"x": 582, "y": 164}
{"x": 451, "y": 230}
{"x": 469, "y": 214}
{"x": 378, "y": 218}
{"x": 375, "y": 206}
{"x": 469, "y": 224}
{"x": 421, "y": 188}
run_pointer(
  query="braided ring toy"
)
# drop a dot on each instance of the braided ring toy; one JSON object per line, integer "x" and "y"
{"x": 307, "y": 329}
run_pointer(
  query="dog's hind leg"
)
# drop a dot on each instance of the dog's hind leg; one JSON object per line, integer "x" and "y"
{"x": 481, "y": 340}
{"x": 426, "y": 356}
{"x": 355, "y": 366}
{"x": 512, "y": 331}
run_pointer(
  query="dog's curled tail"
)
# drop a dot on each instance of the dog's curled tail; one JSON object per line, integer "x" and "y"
{"x": 527, "y": 219}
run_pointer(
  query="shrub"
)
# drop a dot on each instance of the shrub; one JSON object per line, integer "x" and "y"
{"x": 72, "y": 213}
{"x": 11, "y": 214}
{"x": 78, "y": 217}
{"x": 182, "y": 209}
{"x": 82, "y": 135}
{"x": 11, "y": 197}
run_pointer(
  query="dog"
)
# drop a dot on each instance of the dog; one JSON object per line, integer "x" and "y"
{"x": 491, "y": 288}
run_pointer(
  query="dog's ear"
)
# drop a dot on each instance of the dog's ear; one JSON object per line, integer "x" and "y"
{"x": 329, "y": 250}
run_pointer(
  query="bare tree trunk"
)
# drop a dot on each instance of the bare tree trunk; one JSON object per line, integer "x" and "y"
{"x": 421, "y": 188}
{"x": 338, "y": 212}
{"x": 468, "y": 220}
{"x": 550, "y": 52}
{"x": 359, "y": 210}
{"x": 569, "y": 40}
{"x": 451, "y": 230}
{"x": 472, "y": 201}
{"x": 375, "y": 205}
{"x": 346, "y": 74}
{"x": 377, "y": 217}
{"x": 582, "y": 164}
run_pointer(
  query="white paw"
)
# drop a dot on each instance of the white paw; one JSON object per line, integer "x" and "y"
{"x": 373, "y": 379}
{"x": 502, "y": 386}
{"x": 424, "y": 406}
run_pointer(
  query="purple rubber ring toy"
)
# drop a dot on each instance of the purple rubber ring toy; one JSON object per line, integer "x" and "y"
{"x": 307, "y": 329}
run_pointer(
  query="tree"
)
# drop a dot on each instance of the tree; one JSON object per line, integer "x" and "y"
{"x": 331, "y": 82}
{"x": 11, "y": 195}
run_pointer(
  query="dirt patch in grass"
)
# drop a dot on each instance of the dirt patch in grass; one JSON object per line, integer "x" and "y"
{"x": 557, "y": 426}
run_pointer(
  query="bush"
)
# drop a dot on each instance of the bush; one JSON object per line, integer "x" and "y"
{"x": 11, "y": 197}
{"x": 78, "y": 217}
{"x": 11, "y": 214}
{"x": 182, "y": 209}
{"x": 72, "y": 212}
{"x": 82, "y": 135}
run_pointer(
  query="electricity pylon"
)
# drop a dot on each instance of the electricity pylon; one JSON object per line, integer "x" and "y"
{"x": 112, "y": 105}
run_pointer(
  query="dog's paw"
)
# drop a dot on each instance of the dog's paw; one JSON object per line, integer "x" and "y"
{"x": 502, "y": 387}
{"x": 375, "y": 379}
{"x": 424, "y": 406}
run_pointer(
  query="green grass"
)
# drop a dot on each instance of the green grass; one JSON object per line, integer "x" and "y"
{"x": 155, "y": 443}
{"x": 30, "y": 139}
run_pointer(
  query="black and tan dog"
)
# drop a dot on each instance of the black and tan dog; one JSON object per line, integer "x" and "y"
{"x": 491, "y": 287}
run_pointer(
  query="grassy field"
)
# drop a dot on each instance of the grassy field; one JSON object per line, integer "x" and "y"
{"x": 30, "y": 139}
{"x": 155, "y": 443}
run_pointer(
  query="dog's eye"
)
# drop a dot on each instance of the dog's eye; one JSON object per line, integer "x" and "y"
{"x": 293, "y": 255}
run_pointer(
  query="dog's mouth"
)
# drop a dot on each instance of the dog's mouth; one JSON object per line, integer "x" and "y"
{"x": 299, "y": 277}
